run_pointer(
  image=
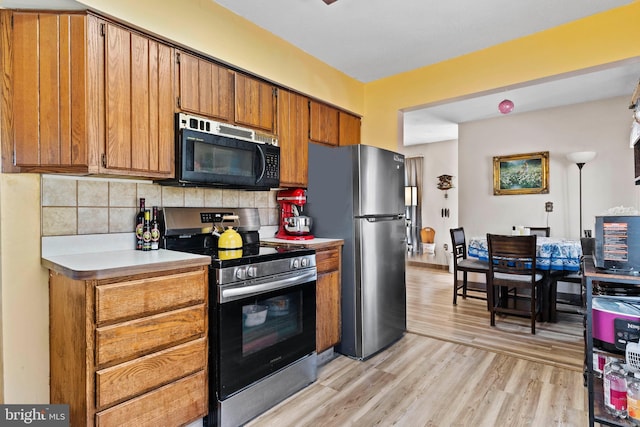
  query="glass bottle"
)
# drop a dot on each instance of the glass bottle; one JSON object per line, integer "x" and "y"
{"x": 633, "y": 398}
{"x": 155, "y": 230}
{"x": 140, "y": 225}
{"x": 615, "y": 389}
{"x": 146, "y": 234}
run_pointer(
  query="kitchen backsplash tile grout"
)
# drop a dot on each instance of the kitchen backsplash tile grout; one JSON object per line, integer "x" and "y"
{"x": 81, "y": 205}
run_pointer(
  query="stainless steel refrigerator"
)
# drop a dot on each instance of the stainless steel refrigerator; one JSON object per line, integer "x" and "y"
{"x": 356, "y": 193}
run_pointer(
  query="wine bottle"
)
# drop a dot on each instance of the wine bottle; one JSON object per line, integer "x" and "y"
{"x": 146, "y": 233}
{"x": 140, "y": 225}
{"x": 155, "y": 230}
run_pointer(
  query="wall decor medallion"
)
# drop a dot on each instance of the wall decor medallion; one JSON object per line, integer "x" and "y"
{"x": 521, "y": 174}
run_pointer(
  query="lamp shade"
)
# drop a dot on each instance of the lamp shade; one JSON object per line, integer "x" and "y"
{"x": 581, "y": 156}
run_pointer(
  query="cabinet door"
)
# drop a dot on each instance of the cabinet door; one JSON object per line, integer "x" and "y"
{"x": 44, "y": 59}
{"x": 205, "y": 88}
{"x": 293, "y": 136}
{"x": 327, "y": 310}
{"x": 349, "y": 129}
{"x": 254, "y": 103}
{"x": 139, "y": 104}
{"x": 323, "y": 123}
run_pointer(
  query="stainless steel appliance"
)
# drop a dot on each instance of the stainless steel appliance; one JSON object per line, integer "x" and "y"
{"x": 617, "y": 244}
{"x": 262, "y": 314}
{"x": 356, "y": 193}
{"x": 210, "y": 153}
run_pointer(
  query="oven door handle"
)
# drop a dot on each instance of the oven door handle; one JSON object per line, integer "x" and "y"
{"x": 231, "y": 294}
{"x": 263, "y": 163}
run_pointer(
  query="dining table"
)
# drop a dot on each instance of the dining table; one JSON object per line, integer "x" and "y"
{"x": 555, "y": 256}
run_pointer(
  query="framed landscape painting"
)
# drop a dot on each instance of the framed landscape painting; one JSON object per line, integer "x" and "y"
{"x": 521, "y": 174}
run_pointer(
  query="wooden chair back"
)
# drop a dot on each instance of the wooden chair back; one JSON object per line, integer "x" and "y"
{"x": 512, "y": 255}
{"x": 512, "y": 266}
{"x": 459, "y": 243}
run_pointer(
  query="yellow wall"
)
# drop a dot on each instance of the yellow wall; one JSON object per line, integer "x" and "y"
{"x": 25, "y": 297}
{"x": 211, "y": 29}
{"x": 600, "y": 39}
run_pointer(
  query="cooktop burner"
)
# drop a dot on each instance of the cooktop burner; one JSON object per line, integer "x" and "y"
{"x": 252, "y": 254}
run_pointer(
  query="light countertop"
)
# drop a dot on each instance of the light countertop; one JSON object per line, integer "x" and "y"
{"x": 315, "y": 243}
{"x": 106, "y": 256}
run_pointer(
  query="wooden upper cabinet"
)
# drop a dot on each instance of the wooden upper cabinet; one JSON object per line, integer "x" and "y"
{"x": 323, "y": 123}
{"x": 293, "y": 137}
{"x": 205, "y": 88}
{"x": 46, "y": 120}
{"x": 255, "y": 103}
{"x": 85, "y": 96}
{"x": 138, "y": 102}
{"x": 349, "y": 129}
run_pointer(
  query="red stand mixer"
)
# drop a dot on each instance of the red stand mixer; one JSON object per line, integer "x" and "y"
{"x": 293, "y": 226}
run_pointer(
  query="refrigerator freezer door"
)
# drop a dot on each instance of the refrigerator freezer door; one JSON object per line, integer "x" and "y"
{"x": 380, "y": 186}
{"x": 382, "y": 293}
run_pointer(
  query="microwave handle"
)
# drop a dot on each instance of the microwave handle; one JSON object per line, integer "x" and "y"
{"x": 264, "y": 163}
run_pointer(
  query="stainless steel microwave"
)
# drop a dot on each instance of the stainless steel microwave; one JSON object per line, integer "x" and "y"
{"x": 215, "y": 154}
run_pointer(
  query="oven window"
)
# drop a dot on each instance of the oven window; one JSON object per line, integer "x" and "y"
{"x": 221, "y": 160}
{"x": 252, "y": 343}
{"x": 270, "y": 321}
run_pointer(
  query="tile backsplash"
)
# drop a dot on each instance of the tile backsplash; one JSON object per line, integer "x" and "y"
{"x": 79, "y": 205}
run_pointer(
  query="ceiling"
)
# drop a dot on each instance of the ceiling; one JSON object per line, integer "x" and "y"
{"x": 373, "y": 39}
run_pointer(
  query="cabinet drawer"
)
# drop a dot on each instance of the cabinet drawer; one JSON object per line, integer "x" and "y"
{"x": 328, "y": 260}
{"x": 175, "y": 404}
{"x": 138, "y": 376}
{"x": 135, "y": 338}
{"x": 151, "y": 295}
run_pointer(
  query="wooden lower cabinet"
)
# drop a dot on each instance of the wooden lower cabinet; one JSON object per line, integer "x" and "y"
{"x": 328, "y": 290}
{"x": 130, "y": 350}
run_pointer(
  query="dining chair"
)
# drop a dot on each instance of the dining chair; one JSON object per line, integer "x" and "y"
{"x": 512, "y": 266}
{"x": 540, "y": 231}
{"x": 465, "y": 265}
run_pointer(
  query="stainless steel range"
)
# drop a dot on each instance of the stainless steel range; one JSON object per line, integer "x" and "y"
{"x": 261, "y": 312}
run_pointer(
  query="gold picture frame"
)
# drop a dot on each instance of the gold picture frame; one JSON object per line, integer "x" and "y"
{"x": 521, "y": 174}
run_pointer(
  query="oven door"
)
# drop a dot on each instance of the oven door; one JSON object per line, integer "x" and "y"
{"x": 251, "y": 346}
{"x": 218, "y": 160}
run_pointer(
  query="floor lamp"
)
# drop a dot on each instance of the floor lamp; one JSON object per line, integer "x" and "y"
{"x": 580, "y": 158}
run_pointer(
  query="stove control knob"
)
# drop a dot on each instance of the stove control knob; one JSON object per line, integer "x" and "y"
{"x": 241, "y": 273}
{"x": 305, "y": 262}
{"x": 252, "y": 271}
{"x": 295, "y": 263}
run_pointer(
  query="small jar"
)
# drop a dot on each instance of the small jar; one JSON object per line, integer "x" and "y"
{"x": 615, "y": 389}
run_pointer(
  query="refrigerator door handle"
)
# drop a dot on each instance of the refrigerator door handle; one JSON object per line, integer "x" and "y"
{"x": 376, "y": 218}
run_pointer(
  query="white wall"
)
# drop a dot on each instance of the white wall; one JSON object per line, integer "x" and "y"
{"x": 439, "y": 158}
{"x": 607, "y": 181}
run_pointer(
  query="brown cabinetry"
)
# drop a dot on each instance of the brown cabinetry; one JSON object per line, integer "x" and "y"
{"x": 138, "y": 103}
{"x": 83, "y": 95}
{"x": 255, "y": 103}
{"x": 328, "y": 296}
{"x": 293, "y": 137}
{"x": 211, "y": 90}
{"x": 323, "y": 123}
{"x": 205, "y": 88}
{"x": 130, "y": 350}
{"x": 349, "y": 129}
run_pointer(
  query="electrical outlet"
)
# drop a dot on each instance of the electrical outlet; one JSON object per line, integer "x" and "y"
{"x": 446, "y": 247}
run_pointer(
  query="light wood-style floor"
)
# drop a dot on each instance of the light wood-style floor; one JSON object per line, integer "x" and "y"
{"x": 450, "y": 369}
